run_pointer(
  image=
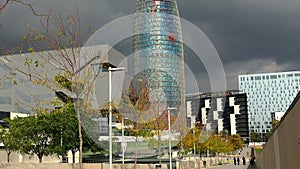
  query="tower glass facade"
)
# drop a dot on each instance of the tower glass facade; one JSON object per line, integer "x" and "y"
{"x": 268, "y": 93}
{"x": 158, "y": 51}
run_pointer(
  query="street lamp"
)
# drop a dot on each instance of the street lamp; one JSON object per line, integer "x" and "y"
{"x": 207, "y": 152}
{"x": 110, "y": 112}
{"x": 194, "y": 145}
{"x": 169, "y": 124}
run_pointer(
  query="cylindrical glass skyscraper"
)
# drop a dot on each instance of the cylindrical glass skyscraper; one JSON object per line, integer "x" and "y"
{"x": 158, "y": 51}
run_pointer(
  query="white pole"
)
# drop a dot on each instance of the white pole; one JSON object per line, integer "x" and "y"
{"x": 123, "y": 146}
{"x": 194, "y": 147}
{"x": 110, "y": 118}
{"x": 170, "y": 150}
{"x": 110, "y": 112}
{"x": 61, "y": 144}
{"x": 207, "y": 152}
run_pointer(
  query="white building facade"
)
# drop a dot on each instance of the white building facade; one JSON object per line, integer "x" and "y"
{"x": 266, "y": 93}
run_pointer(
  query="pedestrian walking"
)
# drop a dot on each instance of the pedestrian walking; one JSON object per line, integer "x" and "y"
{"x": 252, "y": 161}
{"x": 234, "y": 160}
{"x": 238, "y": 160}
{"x": 244, "y": 160}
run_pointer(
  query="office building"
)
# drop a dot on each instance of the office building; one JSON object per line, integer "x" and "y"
{"x": 192, "y": 108}
{"x": 267, "y": 93}
{"x": 158, "y": 51}
{"x": 21, "y": 90}
{"x": 225, "y": 111}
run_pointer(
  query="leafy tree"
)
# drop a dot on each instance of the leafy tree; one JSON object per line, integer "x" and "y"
{"x": 66, "y": 132}
{"x": 224, "y": 133}
{"x": 46, "y": 133}
{"x": 255, "y": 137}
{"x": 135, "y": 104}
{"x": 267, "y": 136}
{"x": 32, "y": 135}
{"x": 274, "y": 124}
{"x": 191, "y": 138}
{"x": 8, "y": 139}
{"x": 236, "y": 141}
{"x": 62, "y": 36}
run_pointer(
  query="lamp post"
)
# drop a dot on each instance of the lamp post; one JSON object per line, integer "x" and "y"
{"x": 194, "y": 146}
{"x": 123, "y": 141}
{"x": 197, "y": 124}
{"x": 169, "y": 127}
{"x": 207, "y": 152}
{"x": 110, "y": 112}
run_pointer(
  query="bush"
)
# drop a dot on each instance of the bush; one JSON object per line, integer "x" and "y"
{"x": 258, "y": 150}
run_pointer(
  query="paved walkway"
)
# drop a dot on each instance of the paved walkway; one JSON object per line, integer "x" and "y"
{"x": 230, "y": 166}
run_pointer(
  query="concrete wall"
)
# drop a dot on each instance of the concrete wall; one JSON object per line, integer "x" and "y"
{"x": 18, "y": 158}
{"x": 14, "y": 157}
{"x": 73, "y": 166}
{"x": 282, "y": 151}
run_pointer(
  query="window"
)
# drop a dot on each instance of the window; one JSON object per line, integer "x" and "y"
{"x": 273, "y": 77}
{"x": 257, "y": 77}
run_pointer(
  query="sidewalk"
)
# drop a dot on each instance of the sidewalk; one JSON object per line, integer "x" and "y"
{"x": 230, "y": 166}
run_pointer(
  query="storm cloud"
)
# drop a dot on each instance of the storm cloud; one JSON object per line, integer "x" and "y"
{"x": 251, "y": 36}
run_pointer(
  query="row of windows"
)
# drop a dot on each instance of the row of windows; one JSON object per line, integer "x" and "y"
{"x": 260, "y": 127}
{"x": 276, "y": 95}
{"x": 266, "y": 122}
{"x": 274, "y": 107}
{"x": 275, "y": 89}
{"x": 258, "y": 131}
{"x": 156, "y": 37}
{"x": 5, "y": 100}
{"x": 143, "y": 27}
{"x": 277, "y": 92}
{"x": 158, "y": 4}
{"x": 266, "y": 77}
{"x": 272, "y": 83}
{"x": 270, "y": 86}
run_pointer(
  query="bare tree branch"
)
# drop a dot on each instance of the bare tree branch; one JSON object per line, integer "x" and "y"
{"x": 4, "y": 5}
{"x": 29, "y": 5}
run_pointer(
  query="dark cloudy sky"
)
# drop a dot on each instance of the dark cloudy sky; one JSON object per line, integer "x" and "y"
{"x": 250, "y": 36}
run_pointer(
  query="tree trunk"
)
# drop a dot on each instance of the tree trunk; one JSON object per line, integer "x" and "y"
{"x": 8, "y": 156}
{"x": 179, "y": 159}
{"x": 40, "y": 158}
{"x": 80, "y": 134}
{"x": 189, "y": 160}
{"x": 199, "y": 157}
{"x": 73, "y": 155}
{"x": 159, "y": 147}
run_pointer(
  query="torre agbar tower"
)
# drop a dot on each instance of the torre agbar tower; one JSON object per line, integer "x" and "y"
{"x": 158, "y": 52}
